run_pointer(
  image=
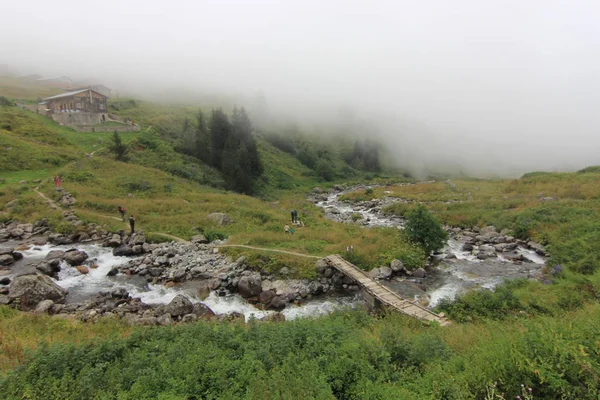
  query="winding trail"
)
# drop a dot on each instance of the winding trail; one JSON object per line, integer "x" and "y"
{"x": 51, "y": 203}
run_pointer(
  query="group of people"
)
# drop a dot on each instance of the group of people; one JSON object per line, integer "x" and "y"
{"x": 295, "y": 221}
{"x": 122, "y": 211}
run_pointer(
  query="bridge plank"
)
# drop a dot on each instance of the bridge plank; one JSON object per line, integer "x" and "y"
{"x": 382, "y": 293}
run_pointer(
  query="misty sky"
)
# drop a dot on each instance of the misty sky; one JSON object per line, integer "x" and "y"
{"x": 492, "y": 83}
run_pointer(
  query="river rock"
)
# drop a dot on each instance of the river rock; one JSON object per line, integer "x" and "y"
{"x": 43, "y": 307}
{"x": 55, "y": 254}
{"x": 32, "y": 289}
{"x": 266, "y": 296}
{"x": 165, "y": 320}
{"x": 6, "y": 259}
{"x": 113, "y": 272}
{"x": 321, "y": 265}
{"x": 202, "y": 311}
{"x": 6, "y": 250}
{"x": 467, "y": 246}
{"x": 328, "y": 273}
{"x": 82, "y": 269}
{"x": 137, "y": 240}
{"x": 275, "y": 317}
{"x": 199, "y": 239}
{"x": 179, "y": 275}
{"x": 51, "y": 268}
{"x": 179, "y": 306}
{"x": 219, "y": 218}
{"x": 75, "y": 257}
{"x": 277, "y": 303}
{"x": 4, "y": 300}
{"x": 123, "y": 250}
{"x": 188, "y": 318}
{"x": 381, "y": 273}
{"x": 203, "y": 290}
{"x": 5, "y": 280}
{"x": 397, "y": 266}
{"x": 114, "y": 241}
{"x": 249, "y": 286}
{"x": 419, "y": 273}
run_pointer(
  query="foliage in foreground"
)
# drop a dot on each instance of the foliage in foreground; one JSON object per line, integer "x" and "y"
{"x": 345, "y": 356}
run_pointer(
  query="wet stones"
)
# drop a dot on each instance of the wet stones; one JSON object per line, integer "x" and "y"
{"x": 30, "y": 290}
{"x": 75, "y": 257}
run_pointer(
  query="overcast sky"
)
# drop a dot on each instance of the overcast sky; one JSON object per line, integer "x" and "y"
{"x": 511, "y": 83}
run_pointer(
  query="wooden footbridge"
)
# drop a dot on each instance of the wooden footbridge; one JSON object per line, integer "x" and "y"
{"x": 383, "y": 294}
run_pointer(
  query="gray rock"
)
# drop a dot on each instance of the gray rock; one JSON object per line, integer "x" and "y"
{"x": 266, "y": 296}
{"x": 219, "y": 218}
{"x": 179, "y": 306}
{"x": 75, "y": 257}
{"x": 397, "y": 266}
{"x": 55, "y": 255}
{"x": 137, "y": 249}
{"x": 137, "y": 240}
{"x": 381, "y": 273}
{"x": 44, "y": 306}
{"x": 486, "y": 248}
{"x": 321, "y": 265}
{"x": 16, "y": 233}
{"x": 4, "y": 300}
{"x": 6, "y": 250}
{"x": 6, "y": 259}
{"x": 123, "y": 250}
{"x": 179, "y": 275}
{"x": 50, "y": 269}
{"x": 328, "y": 273}
{"x": 203, "y": 311}
{"x": 145, "y": 321}
{"x": 249, "y": 286}
{"x": 32, "y": 289}
{"x": 188, "y": 318}
{"x": 199, "y": 239}
{"x": 275, "y": 317}
{"x": 165, "y": 320}
{"x": 277, "y": 303}
{"x": 467, "y": 247}
{"x": 419, "y": 273}
{"x": 113, "y": 272}
{"x": 284, "y": 271}
{"x": 484, "y": 255}
{"x": 114, "y": 241}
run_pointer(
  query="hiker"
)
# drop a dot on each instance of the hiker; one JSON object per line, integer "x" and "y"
{"x": 286, "y": 229}
{"x": 57, "y": 181}
{"x": 122, "y": 211}
{"x": 292, "y": 216}
{"x": 132, "y": 224}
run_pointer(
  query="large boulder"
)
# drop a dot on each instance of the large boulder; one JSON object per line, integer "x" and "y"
{"x": 75, "y": 257}
{"x": 249, "y": 286}
{"x": 219, "y": 218}
{"x": 114, "y": 241}
{"x": 50, "y": 268}
{"x": 123, "y": 250}
{"x": 179, "y": 306}
{"x": 33, "y": 289}
{"x": 266, "y": 296}
{"x": 6, "y": 250}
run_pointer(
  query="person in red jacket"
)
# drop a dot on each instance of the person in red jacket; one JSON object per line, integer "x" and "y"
{"x": 57, "y": 180}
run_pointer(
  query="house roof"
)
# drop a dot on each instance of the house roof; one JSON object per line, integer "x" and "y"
{"x": 69, "y": 94}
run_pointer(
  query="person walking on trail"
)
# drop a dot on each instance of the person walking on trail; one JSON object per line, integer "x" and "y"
{"x": 122, "y": 212}
{"x": 132, "y": 224}
{"x": 57, "y": 180}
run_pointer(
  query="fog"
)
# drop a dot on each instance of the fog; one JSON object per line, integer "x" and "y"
{"x": 489, "y": 87}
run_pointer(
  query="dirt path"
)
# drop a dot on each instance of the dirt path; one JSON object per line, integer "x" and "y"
{"x": 271, "y": 250}
{"x": 51, "y": 203}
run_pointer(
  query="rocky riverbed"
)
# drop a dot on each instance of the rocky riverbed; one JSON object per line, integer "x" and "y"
{"x": 473, "y": 258}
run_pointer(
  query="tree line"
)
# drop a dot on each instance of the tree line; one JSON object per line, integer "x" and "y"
{"x": 227, "y": 145}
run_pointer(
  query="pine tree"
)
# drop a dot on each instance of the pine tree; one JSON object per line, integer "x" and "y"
{"x": 220, "y": 133}
{"x": 202, "y": 140}
{"x": 120, "y": 150}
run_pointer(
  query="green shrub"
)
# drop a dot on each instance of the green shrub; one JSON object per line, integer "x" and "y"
{"x": 425, "y": 229}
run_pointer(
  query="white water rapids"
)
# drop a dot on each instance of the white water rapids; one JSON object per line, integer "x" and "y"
{"x": 82, "y": 287}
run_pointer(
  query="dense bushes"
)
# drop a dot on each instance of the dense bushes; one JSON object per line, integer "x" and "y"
{"x": 344, "y": 356}
{"x": 424, "y": 228}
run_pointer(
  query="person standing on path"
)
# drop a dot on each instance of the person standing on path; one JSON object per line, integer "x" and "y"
{"x": 292, "y": 216}
{"x": 132, "y": 224}
{"x": 122, "y": 212}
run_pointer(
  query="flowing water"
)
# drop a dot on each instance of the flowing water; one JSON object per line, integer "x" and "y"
{"x": 450, "y": 277}
{"x": 84, "y": 287}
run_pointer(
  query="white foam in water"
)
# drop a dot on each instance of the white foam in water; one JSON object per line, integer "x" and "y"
{"x": 96, "y": 281}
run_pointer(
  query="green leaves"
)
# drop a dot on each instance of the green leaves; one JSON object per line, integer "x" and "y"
{"x": 424, "y": 228}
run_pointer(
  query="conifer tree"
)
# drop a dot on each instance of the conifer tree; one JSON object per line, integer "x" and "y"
{"x": 118, "y": 148}
{"x": 220, "y": 133}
